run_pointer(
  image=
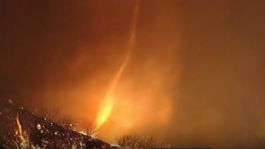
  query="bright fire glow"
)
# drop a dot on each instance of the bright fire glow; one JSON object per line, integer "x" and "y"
{"x": 108, "y": 103}
{"x": 105, "y": 112}
{"x": 19, "y": 127}
{"x": 24, "y": 142}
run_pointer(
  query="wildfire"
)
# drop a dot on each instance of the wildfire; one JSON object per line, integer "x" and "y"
{"x": 108, "y": 103}
{"x": 104, "y": 114}
{"x": 23, "y": 139}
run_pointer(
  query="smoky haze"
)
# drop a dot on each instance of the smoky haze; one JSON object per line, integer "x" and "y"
{"x": 195, "y": 78}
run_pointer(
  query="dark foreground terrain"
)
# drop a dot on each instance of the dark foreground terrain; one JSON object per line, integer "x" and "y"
{"x": 20, "y": 128}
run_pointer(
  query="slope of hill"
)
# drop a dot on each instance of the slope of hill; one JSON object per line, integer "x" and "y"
{"x": 20, "y": 128}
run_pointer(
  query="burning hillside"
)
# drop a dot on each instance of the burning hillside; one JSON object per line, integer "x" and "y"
{"x": 22, "y": 129}
{"x": 186, "y": 72}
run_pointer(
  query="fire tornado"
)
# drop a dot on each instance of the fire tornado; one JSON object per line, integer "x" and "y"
{"x": 108, "y": 103}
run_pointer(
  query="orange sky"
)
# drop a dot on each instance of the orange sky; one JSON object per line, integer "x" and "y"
{"x": 195, "y": 74}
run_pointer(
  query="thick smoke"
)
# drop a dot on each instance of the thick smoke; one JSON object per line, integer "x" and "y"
{"x": 195, "y": 77}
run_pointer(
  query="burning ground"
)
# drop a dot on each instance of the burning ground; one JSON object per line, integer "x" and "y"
{"x": 22, "y": 129}
{"x": 194, "y": 75}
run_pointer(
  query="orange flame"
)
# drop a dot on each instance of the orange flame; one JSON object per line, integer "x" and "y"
{"x": 108, "y": 103}
{"x": 105, "y": 112}
{"x": 24, "y": 142}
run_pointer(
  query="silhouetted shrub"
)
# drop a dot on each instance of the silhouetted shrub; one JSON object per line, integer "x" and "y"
{"x": 137, "y": 142}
